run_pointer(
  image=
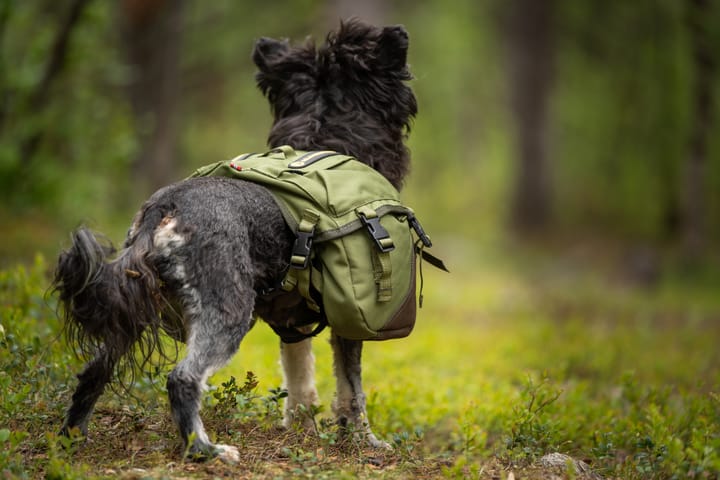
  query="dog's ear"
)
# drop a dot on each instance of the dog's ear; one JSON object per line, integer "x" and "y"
{"x": 268, "y": 55}
{"x": 392, "y": 47}
{"x": 268, "y": 51}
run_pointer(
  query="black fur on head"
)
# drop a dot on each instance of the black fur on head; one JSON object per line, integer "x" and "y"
{"x": 348, "y": 95}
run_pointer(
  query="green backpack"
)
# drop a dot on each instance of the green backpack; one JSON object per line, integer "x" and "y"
{"x": 354, "y": 255}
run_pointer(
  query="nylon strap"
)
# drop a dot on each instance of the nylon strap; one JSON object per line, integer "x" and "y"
{"x": 382, "y": 266}
{"x": 370, "y": 218}
{"x": 299, "y": 277}
{"x": 306, "y": 227}
{"x": 382, "y": 269}
{"x": 303, "y": 287}
{"x": 298, "y": 334}
{"x": 286, "y": 150}
{"x": 419, "y": 248}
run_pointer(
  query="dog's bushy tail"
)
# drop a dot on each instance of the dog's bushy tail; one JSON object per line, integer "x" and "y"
{"x": 109, "y": 305}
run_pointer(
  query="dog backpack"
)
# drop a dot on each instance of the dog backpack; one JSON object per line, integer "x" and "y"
{"x": 354, "y": 255}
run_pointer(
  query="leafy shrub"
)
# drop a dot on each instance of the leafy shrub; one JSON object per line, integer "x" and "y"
{"x": 34, "y": 377}
{"x": 532, "y": 428}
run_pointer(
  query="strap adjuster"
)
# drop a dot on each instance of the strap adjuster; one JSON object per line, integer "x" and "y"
{"x": 304, "y": 234}
{"x": 301, "y": 249}
{"x": 415, "y": 224}
{"x": 378, "y": 233}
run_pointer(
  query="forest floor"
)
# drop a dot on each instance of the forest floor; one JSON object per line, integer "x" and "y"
{"x": 511, "y": 360}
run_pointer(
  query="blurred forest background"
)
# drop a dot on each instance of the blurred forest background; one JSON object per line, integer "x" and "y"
{"x": 566, "y": 161}
{"x": 557, "y": 121}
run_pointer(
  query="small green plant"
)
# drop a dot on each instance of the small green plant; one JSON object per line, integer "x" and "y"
{"x": 271, "y": 403}
{"x": 406, "y": 443}
{"x": 469, "y": 437}
{"x": 11, "y": 460}
{"x": 237, "y": 400}
{"x": 59, "y": 465}
{"x": 649, "y": 457}
{"x": 462, "y": 468}
{"x": 532, "y": 429}
{"x": 311, "y": 413}
{"x": 327, "y": 431}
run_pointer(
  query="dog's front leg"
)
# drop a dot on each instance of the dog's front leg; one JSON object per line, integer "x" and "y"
{"x": 92, "y": 381}
{"x": 215, "y": 335}
{"x": 298, "y": 365}
{"x": 349, "y": 405}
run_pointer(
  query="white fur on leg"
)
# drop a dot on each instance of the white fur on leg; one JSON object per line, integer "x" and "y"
{"x": 228, "y": 453}
{"x": 298, "y": 363}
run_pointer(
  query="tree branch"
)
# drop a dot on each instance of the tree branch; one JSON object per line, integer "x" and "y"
{"x": 58, "y": 59}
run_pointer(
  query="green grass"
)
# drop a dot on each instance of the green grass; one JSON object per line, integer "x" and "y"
{"x": 510, "y": 360}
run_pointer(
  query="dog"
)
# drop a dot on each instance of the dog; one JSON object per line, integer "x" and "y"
{"x": 200, "y": 251}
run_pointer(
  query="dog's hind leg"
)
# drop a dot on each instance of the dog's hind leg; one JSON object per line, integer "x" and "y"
{"x": 349, "y": 404}
{"x": 215, "y": 334}
{"x": 91, "y": 385}
{"x": 298, "y": 365}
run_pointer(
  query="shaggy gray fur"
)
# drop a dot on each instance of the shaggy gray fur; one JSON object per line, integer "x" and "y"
{"x": 201, "y": 252}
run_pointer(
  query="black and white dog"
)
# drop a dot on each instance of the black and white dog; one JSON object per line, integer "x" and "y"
{"x": 199, "y": 251}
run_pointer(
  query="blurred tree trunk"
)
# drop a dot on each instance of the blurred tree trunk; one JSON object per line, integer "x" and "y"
{"x": 151, "y": 32}
{"x": 529, "y": 33}
{"x": 695, "y": 188}
{"x": 40, "y": 97}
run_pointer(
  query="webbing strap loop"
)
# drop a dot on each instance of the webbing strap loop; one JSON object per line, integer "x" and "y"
{"x": 382, "y": 266}
{"x": 304, "y": 239}
{"x": 299, "y": 275}
{"x": 370, "y": 219}
{"x": 382, "y": 271}
{"x": 286, "y": 150}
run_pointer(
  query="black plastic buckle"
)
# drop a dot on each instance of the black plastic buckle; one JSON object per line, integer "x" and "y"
{"x": 301, "y": 249}
{"x": 377, "y": 232}
{"x": 415, "y": 224}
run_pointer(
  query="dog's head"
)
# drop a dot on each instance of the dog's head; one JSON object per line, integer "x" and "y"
{"x": 348, "y": 95}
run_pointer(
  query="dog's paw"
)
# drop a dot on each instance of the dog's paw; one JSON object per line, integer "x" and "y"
{"x": 74, "y": 432}
{"x": 227, "y": 453}
{"x": 376, "y": 443}
{"x": 71, "y": 437}
{"x": 299, "y": 425}
{"x": 301, "y": 418}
